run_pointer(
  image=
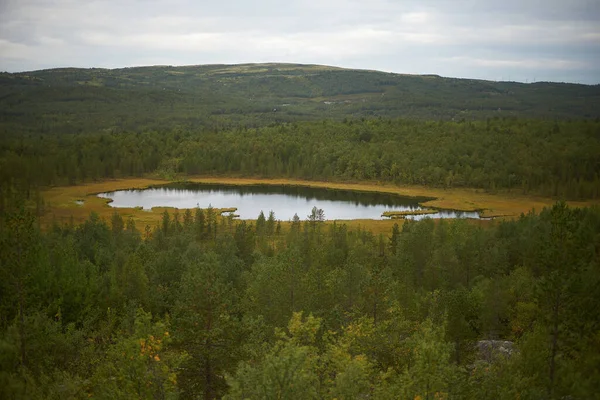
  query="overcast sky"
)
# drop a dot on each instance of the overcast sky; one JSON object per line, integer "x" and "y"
{"x": 521, "y": 40}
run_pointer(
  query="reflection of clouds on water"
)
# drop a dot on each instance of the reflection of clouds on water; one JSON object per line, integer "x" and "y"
{"x": 284, "y": 201}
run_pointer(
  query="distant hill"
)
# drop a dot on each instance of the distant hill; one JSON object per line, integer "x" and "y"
{"x": 222, "y": 96}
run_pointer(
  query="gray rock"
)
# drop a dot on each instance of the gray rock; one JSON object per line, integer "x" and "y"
{"x": 491, "y": 349}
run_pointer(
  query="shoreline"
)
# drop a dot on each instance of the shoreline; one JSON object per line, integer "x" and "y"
{"x": 61, "y": 201}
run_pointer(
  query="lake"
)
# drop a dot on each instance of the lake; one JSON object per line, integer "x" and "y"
{"x": 284, "y": 200}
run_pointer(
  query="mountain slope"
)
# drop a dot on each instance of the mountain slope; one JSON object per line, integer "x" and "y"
{"x": 83, "y": 100}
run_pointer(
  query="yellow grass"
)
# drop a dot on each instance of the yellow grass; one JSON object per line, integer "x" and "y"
{"x": 503, "y": 204}
{"x": 402, "y": 214}
{"x": 61, "y": 201}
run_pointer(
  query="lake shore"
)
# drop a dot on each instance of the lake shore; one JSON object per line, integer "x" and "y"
{"x": 62, "y": 201}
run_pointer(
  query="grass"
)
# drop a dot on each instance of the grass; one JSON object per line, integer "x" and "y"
{"x": 63, "y": 203}
{"x": 402, "y": 214}
{"x": 502, "y": 204}
{"x": 62, "y": 207}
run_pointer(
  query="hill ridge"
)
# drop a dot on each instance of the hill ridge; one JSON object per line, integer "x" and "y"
{"x": 251, "y": 94}
{"x": 288, "y": 64}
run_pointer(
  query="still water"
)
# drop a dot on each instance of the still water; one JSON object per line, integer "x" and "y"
{"x": 285, "y": 201}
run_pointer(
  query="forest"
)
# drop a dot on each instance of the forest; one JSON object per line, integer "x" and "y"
{"x": 205, "y": 306}
{"x": 76, "y": 100}
{"x": 558, "y": 159}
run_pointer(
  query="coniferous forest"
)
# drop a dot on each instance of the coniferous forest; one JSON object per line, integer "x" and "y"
{"x": 202, "y": 306}
{"x": 548, "y": 158}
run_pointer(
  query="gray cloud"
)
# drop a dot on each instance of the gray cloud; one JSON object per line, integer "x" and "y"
{"x": 518, "y": 40}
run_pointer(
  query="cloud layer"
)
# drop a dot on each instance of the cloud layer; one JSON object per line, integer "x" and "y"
{"x": 522, "y": 40}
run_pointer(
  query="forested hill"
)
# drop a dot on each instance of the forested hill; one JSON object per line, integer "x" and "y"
{"x": 72, "y": 100}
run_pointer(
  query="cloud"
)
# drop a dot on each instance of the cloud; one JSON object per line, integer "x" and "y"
{"x": 557, "y": 40}
{"x": 554, "y": 64}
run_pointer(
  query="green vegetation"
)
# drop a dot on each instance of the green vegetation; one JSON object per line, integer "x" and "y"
{"x": 217, "y": 97}
{"x": 402, "y": 214}
{"x": 228, "y": 210}
{"x": 97, "y": 303}
{"x": 548, "y": 158}
{"x": 197, "y": 307}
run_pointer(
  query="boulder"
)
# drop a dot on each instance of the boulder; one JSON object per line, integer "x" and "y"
{"x": 490, "y": 349}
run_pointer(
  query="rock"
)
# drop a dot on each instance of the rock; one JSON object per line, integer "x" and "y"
{"x": 490, "y": 349}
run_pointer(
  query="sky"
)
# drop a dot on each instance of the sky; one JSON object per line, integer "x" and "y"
{"x": 517, "y": 40}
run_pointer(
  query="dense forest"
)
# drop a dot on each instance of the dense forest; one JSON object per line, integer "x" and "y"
{"x": 203, "y": 306}
{"x": 207, "y": 307}
{"x": 551, "y": 158}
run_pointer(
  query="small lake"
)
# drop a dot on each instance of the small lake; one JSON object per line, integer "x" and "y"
{"x": 285, "y": 201}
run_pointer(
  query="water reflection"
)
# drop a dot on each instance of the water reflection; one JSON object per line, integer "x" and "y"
{"x": 285, "y": 201}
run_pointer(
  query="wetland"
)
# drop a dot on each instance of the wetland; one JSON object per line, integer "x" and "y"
{"x": 285, "y": 200}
